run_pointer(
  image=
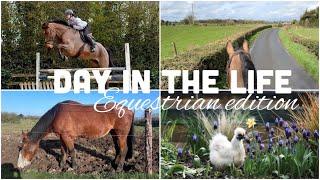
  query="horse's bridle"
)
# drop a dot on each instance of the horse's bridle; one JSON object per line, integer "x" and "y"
{"x": 234, "y": 54}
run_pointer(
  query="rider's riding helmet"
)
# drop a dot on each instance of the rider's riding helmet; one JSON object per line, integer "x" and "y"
{"x": 69, "y": 12}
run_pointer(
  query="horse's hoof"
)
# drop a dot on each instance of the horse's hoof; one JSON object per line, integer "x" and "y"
{"x": 74, "y": 165}
{"x": 119, "y": 170}
{"x": 61, "y": 164}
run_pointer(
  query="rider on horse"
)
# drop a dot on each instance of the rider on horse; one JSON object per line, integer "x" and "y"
{"x": 78, "y": 24}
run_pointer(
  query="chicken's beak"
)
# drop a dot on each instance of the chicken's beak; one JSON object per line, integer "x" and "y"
{"x": 240, "y": 137}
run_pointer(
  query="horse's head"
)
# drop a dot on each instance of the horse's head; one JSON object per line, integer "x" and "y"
{"x": 49, "y": 35}
{"x": 27, "y": 150}
{"x": 239, "y": 60}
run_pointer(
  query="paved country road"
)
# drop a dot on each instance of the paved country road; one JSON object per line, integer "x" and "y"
{"x": 268, "y": 54}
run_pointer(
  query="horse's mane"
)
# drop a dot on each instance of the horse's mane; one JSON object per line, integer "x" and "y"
{"x": 59, "y": 21}
{"x": 247, "y": 65}
{"x": 45, "y": 121}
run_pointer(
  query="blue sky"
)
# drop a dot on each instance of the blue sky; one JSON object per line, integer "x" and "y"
{"x": 251, "y": 10}
{"x": 38, "y": 102}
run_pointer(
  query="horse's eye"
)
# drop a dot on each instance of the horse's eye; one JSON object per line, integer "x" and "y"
{"x": 19, "y": 148}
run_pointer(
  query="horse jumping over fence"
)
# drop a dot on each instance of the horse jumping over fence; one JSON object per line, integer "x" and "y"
{"x": 69, "y": 120}
{"x": 240, "y": 60}
{"x": 70, "y": 44}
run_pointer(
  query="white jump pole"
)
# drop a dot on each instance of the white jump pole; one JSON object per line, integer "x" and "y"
{"x": 37, "y": 70}
{"x": 127, "y": 59}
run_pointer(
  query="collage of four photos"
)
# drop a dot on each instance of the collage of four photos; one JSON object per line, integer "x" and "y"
{"x": 160, "y": 89}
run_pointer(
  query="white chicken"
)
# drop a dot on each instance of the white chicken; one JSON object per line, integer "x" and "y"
{"x": 224, "y": 153}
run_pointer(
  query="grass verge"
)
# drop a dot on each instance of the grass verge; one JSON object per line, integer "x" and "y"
{"x": 306, "y": 59}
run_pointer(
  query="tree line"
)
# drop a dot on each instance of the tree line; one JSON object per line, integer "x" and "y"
{"x": 310, "y": 18}
{"x": 113, "y": 24}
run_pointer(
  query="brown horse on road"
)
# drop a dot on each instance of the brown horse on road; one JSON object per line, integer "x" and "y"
{"x": 70, "y": 44}
{"x": 69, "y": 120}
{"x": 240, "y": 60}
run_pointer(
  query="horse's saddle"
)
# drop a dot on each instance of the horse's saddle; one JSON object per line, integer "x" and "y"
{"x": 84, "y": 39}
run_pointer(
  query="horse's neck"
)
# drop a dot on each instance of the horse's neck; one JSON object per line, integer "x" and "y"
{"x": 61, "y": 29}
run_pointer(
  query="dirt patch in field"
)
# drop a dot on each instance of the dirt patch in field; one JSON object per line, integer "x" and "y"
{"x": 93, "y": 156}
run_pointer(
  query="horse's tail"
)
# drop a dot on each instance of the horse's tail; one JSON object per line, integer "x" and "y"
{"x": 130, "y": 140}
{"x": 110, "y": 57}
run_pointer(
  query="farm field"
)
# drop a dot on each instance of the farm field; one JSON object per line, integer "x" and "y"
{"x": 94, "y": 157}
{"x": 189, "y": 37}
{"x": 308, "y": 33}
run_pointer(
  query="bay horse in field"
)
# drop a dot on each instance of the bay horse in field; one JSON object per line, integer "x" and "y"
{"x": 240, "y": 60}
{"x": 70, "y": 120}
{"x": 70, "y": 44}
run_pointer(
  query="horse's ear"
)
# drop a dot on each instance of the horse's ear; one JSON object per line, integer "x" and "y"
{"x": 24, "y": 136}
{"x": 245, "y": 46}
{"x": 229, "y": 48}
{"x": 45, "y": 25}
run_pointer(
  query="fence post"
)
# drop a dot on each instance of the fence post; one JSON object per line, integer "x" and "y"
{"x": 37, "y": 70}
{"x": 174, "y": 49}
{"x": 127, "y": 58}
{"x": 148, "y": 135}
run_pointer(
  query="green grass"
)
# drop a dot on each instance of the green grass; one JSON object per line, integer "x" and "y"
{"x": 17, "y": 127}
{"x": 7, "y": 173}
{"x": 308, "y": 33}
{"x": 189, "y": 37}
{"x": 306, "y": 59}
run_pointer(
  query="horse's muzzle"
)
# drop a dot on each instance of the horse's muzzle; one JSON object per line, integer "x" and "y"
{"x": 49, "y": 45}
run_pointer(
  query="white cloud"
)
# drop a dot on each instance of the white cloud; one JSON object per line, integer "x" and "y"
{"x": 262, "y": 10}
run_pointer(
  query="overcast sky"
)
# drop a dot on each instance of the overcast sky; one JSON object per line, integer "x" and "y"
{"x": 262, "y": 10}
{"x": 38, "y": 102}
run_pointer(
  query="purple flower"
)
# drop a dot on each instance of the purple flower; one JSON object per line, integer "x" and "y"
{"x": 306, "y": 134}
{"x": 267, "y": 126}
{"x": 295, "y": 139}
{"x": 270, "y": 135}
{"x": 288, "y": 132}
{"x": 276, "y": 121}
{"x": 215, "y": 125}
{"x": 270, "y": 140}
{"x": 247, "y": 140}
{"x": 272, "y": 131}
{"x": 259, "y": 139}
{"x": 280, "y": 142}
{"x": 281, "y": 121}
{"x": 248, "y": 147}
{"x": 287, "y": 142}
{"x": 285, "y": 124}
{"x": 180, "y": 150}
{"x": 188, "y": 152}
{"x": 256, "y": 135}
{"x": 296, "y": 129}
{"x": 269, "y": 147}
{"x": 293, "y": 126}
{"x": 316, "y": 134}
{"x": 194, "y": 138}
{"x": 261, "y": 146}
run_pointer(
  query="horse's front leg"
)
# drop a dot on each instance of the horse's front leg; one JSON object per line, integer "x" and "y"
{"x": 62, "y": 56}
{"x": 65, "y": 47}
{"x": 123, "y": 152}
{"x": 63, "y": 154}
{"x": 69, "y": 142}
